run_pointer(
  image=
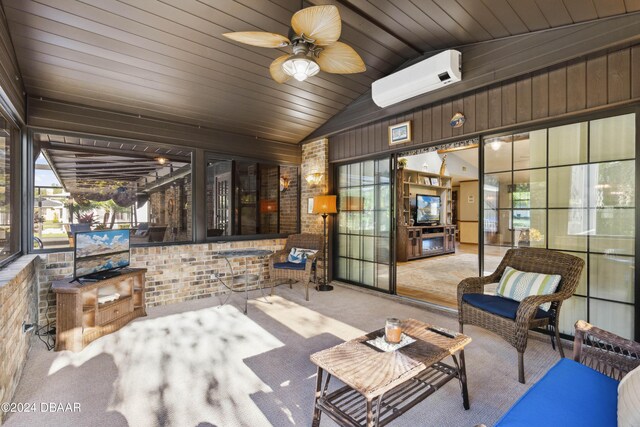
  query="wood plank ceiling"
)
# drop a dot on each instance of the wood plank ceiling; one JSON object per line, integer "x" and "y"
{"x": 167, "y": 58}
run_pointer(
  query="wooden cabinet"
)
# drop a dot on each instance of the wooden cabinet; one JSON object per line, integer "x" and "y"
{"x": 82, "y": 317}
{"x": 429, "y": 241}
{"x": 422, "y": 241}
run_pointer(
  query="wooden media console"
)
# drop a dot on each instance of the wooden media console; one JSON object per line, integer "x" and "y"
{"x": 81, "y": 318}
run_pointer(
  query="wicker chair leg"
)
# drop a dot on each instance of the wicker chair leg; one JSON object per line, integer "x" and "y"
{"x": 272, "y": 286}
{"x": 521, "y": 367}
{"x": 461, "y": 328}
{"x": 558, "y": 342}
{"x": 307, "y": 293}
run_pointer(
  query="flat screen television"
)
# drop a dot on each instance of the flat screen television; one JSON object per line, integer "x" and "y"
{"x": 427, "y": 209}
{"x": 99, "y": 253}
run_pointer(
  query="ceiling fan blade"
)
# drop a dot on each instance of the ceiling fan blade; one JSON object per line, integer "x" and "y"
{"x": 259, "y": 38}
{"x": 340, "y": 58}
{"x": 277, "y": 73}
{"x": 319, "y": 23}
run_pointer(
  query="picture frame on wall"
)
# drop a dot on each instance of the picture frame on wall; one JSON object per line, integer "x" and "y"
{"x": 400, "y": 133}
{"x": 310, "y": 205}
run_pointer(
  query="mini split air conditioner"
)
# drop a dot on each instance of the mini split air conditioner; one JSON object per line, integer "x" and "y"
{"x": 427, "y": 75}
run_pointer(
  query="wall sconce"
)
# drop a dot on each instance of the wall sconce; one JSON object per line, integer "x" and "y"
{"x": 314, "y": 179}
{"x": 284, "y": 184}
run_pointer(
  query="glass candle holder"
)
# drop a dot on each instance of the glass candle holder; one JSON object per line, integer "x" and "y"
{"x": 392, "y": 330}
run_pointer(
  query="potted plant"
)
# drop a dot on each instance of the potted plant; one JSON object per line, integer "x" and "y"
{"x": 85, "y": 221}
{"x": 402, "y": 163}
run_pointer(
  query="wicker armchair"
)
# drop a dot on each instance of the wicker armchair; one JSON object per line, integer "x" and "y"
{"x": 516, "y": 331}
{"x": 604, "y": 351}
{"x": 279, "y": 270}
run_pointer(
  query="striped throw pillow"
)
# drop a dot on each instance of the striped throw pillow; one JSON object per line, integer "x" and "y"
{"x": 299, "y": 255}
{"x": 517, "y": 285}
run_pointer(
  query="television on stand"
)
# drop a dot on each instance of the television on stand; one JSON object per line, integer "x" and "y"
{"x": 427, "y": 210}
{"x": 99, "y": 255}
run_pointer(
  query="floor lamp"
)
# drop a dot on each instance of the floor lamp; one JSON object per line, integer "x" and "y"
{"x": 324, "y": 205}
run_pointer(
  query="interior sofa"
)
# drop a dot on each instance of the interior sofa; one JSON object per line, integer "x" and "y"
{"x": 583, "y": 391}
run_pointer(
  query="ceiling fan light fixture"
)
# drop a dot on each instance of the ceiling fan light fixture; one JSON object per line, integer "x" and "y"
{"x": 300, "y": 67}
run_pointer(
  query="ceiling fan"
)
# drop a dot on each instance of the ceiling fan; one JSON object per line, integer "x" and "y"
{"x": 314, "y": 42}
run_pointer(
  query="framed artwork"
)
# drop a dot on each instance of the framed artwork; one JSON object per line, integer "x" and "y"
{"x": 435, "y": 181}
{"x": 310, "y": 205}
{"x": 400, "y": 133}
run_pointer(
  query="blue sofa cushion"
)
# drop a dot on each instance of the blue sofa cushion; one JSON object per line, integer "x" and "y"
{"x": 289, "y": 265}
{"x": 570, "y": 394}
{"x": 499, "y": 306}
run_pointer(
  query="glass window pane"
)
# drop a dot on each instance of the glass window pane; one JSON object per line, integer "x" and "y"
{"x": 368, "y": 248}
{"x": 568, "y": 229}
{"x": 148, "y": 195}
{"x": 533, "y": 234}
{"x": 354, "y": 178}
{"x": 529, "y": 189}
{"x": 569, "y": 189}
{"x": 354, "y": 270}
{"x": 343, "y": 173}
{"x": 497, "y": 191}
{"x": 355, "y": 243}
{"x": 383, "y": 171}
{"x": 612, "y": 231}
{"x": 492, "y": 257}
{"x": 246, "y": 221}
{"x": 9, "y": 230}
{"x": 582, "y": 285}
{"x": 368, "y": 174}
{"x": 568, "y": 144}
{"x": 497, "y": 154}
{"x": 530, "y": 150}
{"x": 613, "y": 184}
{"x": 268, "y": 195}
{"x": 600, "y": 313}
{"x": 612, "y": 277}
{"x": 613, "y": 138}
{"x": 368, "y": 273}
{"x": 573, "y": 309}
{"x": 497, "y": 227}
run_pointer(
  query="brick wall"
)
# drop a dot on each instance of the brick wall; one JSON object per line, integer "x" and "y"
{"x": 175, "y": 273}
{"x": 315, "y": 158}
{"x": 289, "y": 201}
{"x": 18, "y": 287}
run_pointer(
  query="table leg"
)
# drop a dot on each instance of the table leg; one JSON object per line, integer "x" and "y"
{"x": 369, "y": 413}
{"x": 463, "y": 381}
{"x": 316, "y": 410}
{"x": 246, "y": 285}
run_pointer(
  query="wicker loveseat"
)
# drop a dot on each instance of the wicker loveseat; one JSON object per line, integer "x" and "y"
{"x": 512, "y": 320}
{"x": 580, "y": 392}
{"x": 280, "y": 269}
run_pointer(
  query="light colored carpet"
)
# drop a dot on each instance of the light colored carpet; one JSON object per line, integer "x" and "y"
{"x": 192, "y": 364}
{"x": 436, "y": 279}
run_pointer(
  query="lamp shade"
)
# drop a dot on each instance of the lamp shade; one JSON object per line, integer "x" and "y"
{"x": 324, "y": 205}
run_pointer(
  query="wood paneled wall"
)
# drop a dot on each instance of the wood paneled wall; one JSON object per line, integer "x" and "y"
{"x": 10, "y": 76}
{"x": 578, "y": 86}
{"x": 60, "y": 116}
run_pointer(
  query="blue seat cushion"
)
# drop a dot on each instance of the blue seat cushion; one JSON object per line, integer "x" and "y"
{"x": 500, "y": 306}
{"x": 570, "y": 394}
{"x": 289, "y": 265}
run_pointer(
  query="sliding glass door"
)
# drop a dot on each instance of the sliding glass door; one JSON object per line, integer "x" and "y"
{"x": 570, "y": 188}
{"x": 363, "y": 229}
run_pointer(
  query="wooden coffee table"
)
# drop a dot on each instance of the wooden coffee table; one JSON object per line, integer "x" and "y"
{"x": 382, "y": 386}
